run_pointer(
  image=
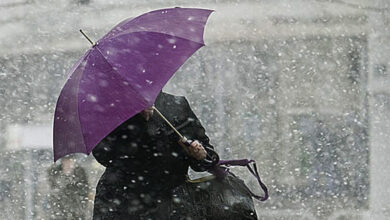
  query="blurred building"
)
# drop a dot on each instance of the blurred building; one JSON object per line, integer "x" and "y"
{"x": 300, "y": 86}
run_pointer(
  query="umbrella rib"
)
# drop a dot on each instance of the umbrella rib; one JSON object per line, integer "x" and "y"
{"x": 112, "y": 67}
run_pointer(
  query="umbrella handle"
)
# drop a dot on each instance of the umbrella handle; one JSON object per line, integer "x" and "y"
{"x": 186, "y": 141}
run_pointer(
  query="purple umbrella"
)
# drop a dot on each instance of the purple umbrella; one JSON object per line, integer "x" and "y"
{"x": 122, "y": 74}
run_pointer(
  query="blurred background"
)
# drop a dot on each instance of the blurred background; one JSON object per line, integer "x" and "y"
{"x": 301, "y": 86}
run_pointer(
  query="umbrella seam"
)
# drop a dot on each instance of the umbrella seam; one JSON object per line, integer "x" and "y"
{"x": 78, "y": 106}
{"x": 112, "y": 67}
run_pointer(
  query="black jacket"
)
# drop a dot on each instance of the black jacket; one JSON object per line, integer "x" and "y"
{"x": 144, "y": 162}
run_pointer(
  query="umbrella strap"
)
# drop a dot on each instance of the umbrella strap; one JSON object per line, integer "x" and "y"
{"x": 220, "y": 172}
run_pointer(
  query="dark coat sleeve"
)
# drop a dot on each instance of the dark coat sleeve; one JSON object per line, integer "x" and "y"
{"x": 199, "y": 134}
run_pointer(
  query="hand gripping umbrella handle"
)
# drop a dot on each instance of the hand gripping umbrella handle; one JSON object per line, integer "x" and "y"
{"x": 212, "y": 157}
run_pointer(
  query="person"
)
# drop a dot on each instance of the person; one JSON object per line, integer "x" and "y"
{"x": 144, "y": 161}
{"x": 69, "y": 186}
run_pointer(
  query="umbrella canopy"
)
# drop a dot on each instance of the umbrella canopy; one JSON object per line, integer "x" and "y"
{"x": 122, "y": 74}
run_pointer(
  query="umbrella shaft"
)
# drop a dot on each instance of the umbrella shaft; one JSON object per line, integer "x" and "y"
{"x": 166, "y": 120}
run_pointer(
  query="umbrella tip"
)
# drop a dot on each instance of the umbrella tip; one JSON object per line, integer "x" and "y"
{"x": 90, "y": 41}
